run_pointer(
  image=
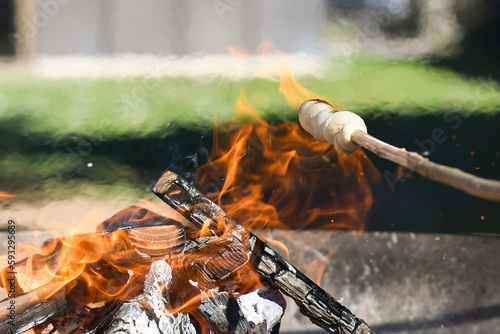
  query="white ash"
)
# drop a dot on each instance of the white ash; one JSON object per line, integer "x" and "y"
{"x": 223, "y": 314}
{"x": 260, "y": 307}
{"x": 133, "y": 318}
{"x": 157, "y": 282}
{"x": 147, "y": 313}
{"x": 259, "y": 311}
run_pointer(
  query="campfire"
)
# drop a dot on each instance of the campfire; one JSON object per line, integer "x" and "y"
{"x": 141, "y": 272}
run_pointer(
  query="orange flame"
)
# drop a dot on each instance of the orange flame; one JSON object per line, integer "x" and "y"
{"x": 294, "y": 92}
{"x": 4, "y": 194}
{"x": 266, "y": 176}
{"x": 278, "y": 176}
{"x": 281, "y": 177}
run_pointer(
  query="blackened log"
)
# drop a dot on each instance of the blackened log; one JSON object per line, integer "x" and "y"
{"x": 143, "y": 306}
{"x": 27, "y": 277}
{"x": 223, "y": 314}
{"x": 209, "y": 260}
{"x": 259, "y": 311}
{"x": 36, "y": 280}
{"x": 313, "y": 301}
{"x": 134, "y": 217}
{"x": 82, "y": 317}
{"x": 31, "y": 309}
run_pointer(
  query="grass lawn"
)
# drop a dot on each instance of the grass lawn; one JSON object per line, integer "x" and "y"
{"x": 51, "y": 129}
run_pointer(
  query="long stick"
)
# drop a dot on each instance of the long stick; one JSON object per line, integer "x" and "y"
{"x": 347, "y": 131}
{"x": 312, "y": 300}
{"x": 474, "y": 185}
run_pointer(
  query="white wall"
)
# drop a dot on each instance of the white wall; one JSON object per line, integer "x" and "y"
{"x": 175, "y": 26}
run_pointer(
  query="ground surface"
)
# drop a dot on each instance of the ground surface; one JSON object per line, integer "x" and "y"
{"x": 397, "y": 282}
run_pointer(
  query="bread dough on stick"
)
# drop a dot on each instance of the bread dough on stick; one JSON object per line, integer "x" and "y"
{"x": 327, "y": 124}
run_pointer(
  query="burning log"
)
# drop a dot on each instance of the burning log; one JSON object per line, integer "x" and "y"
{"x": 121, "y": 247}
{"x": 22, "y": 313}
{"x": 136, "y": 276}
{"x": 313, "y": 301}
{"x": 347, "y": 131}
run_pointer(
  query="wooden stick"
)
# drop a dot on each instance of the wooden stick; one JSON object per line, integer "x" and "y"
{"x": 347, "y": 131}
{"x": 471, "y": 184}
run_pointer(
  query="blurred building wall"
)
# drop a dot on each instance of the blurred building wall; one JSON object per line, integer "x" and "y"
{"x": 106, "y": 27}
{"x": 176, "y": 26}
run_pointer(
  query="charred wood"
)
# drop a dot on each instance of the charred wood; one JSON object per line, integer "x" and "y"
{"x": 120, "y": 248}
{"x": 135, "y": 217}
{"x": 27, "y": 313}
{"x": 224, "y": 314}
{"x": 259, "y": 311}
{"x": 314, "y": 302}
{"x": 133, "y": 318}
